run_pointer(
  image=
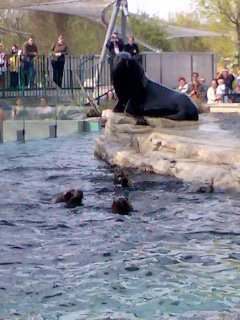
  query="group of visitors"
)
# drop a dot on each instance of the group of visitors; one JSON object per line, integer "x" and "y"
{"x": 196, "y": 89}
{"x": 19, "y": 64}
{"x": 115, "y": 45}
{"x": 222, "y": 88}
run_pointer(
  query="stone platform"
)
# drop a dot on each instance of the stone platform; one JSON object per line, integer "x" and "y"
{"x": 193, "y": 151}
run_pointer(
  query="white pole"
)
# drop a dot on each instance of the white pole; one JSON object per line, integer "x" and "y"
{"x": 108, "y": 35}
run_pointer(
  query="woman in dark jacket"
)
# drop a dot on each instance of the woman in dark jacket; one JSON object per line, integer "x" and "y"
{"x": 58, "y": 51}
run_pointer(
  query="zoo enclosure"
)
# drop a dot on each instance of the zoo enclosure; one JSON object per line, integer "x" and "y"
{"x": 163, "y": 67}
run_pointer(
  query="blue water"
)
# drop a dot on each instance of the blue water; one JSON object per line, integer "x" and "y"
{"x": 176, "y": 257}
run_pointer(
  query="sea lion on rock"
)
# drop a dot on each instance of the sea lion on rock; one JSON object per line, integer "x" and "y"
{"x": 122, "y": 205}
{"x": 72, "y": 198}
{"x": 139, "y": 96}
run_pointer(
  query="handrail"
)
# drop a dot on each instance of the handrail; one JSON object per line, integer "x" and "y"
{"x": 84, "y": 66}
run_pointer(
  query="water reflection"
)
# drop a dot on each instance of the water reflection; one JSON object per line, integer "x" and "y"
{"x": 176, "y": 257}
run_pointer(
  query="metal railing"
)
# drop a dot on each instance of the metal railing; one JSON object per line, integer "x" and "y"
{"x": 38, "y": 81}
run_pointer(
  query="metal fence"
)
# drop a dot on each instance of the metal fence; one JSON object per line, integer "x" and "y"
{"x": 83, "y": 71}
{"x": 77, "y": 68}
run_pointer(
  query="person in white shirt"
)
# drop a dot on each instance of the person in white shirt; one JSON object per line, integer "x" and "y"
{"x": 221, "y": 89}
{"x": 212, "y": 96}
{"x": 183, "y": 86}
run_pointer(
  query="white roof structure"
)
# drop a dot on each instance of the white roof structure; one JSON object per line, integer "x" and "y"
{"x": 90, "y": 9}
{"x": 95, "y": 10}
{"x": 180, "y": 32}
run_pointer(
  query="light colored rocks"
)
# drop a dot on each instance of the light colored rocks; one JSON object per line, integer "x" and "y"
{"x": 193, "y": 151}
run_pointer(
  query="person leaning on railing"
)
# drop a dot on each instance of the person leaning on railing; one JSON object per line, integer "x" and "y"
{"x": 30, "y": 51}
{"x": 58, "y": 51}
{"x": 14, "y": 67}
{"x": 3, "y": 67}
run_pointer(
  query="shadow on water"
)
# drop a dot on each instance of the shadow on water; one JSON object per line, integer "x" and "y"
{"x": 176, "y": 256}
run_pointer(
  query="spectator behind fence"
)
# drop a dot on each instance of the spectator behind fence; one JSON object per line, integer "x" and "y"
{"x": 14, "y": 66}
{"x": 2, "y": 115}
{"x": 212, "y": 96}
{"x": 132, "y": 48}
{"x": 221, "y": 88}
{"x": 195, "y": 88}
{"x": 30, "y": 52}
{"x": 237, "y": 89}
{"x": 110, "y": 101}
{"x": 202, "y": 80}
{"x": 238, "y": 78}
{"x": 228, "y": 80}
{"x": 235, "y": 96}
{"x": 183, "y": 86}
{"x": 114, "y": 45}
{"x": 59, "y": 51}
{"x": 2, "y": 67}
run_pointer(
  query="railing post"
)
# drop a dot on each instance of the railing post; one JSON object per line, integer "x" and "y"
{"x": 98, "y": 84}
{"x": 43, "y": 76}
{"x": 71, "y": 74}
{"x": 1, "y": 131}
{"x": 93, "y": 76}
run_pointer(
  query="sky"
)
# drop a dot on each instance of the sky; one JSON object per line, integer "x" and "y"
{"x": 161, "y": 8}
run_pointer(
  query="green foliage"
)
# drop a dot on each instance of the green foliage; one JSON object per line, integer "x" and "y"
{"x": 149, "y": 30}
{"x": 195, "y": 44}
{"x": 223, "y": 15}
{"x": 81, "y": 35}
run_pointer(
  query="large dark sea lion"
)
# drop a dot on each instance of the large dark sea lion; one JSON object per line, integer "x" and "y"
{"x": 139, "y": 96}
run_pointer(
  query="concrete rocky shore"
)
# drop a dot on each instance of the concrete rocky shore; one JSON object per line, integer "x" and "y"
{"x": 198, "y": 152}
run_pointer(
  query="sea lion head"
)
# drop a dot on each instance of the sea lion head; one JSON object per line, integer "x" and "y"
{"x": 122, "y": 205}
{"x": 122, "y": 58}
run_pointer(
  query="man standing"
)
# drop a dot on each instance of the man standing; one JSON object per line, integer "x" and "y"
{"x": 132, "y": 48}
{"x": 2, "y": 68}
{"x": 59, "y": 51}
{"x": 195, "y": 88}
{"x": 30, "y": 52}
{"x": 114, "y": 45}
{"x": 228, "y": 80}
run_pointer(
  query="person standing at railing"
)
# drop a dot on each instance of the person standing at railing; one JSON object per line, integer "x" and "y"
{"x": 30, "y": 51}
{"x": 59, "y": 51}
{"x": 3, "y": 67}
{"x": 13, "y": 67}
{"x": 114, "y": 45}
{"x": 132, "y": 48}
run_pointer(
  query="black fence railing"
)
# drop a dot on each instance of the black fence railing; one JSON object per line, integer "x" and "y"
{"x": 36, "y": 79}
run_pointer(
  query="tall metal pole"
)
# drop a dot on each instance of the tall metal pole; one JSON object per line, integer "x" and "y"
{"x": 109, "y": 32}
{"x": 124, "y": 20}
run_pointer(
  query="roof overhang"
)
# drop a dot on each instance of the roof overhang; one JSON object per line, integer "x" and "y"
{"x": 95, "y": 9}
{"x": 89, "y": 9}
{"x": 180, "y": 32}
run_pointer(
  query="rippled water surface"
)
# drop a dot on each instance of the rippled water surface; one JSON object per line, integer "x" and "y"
{"x": 176, "y": 257}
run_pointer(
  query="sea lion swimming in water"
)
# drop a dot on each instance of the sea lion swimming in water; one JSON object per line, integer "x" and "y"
{"x": 72, "y": 198}
{"x": 139, "y": 96}
{"x": 122, "y": 205}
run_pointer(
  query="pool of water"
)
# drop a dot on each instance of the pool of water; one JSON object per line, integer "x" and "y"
{"x": 176, "y": 257}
